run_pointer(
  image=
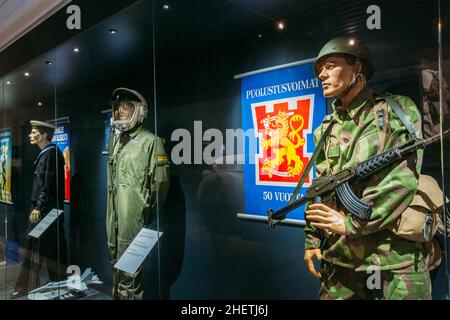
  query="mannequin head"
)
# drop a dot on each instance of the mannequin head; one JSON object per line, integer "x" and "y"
{"x": 343, "y": 65}
{"x": 338, "y": 72}
{"x": 41, "y": 133}
{"x": 129, "y": 109}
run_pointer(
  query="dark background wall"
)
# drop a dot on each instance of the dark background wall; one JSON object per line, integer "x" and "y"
{"x": 205, "y": 252}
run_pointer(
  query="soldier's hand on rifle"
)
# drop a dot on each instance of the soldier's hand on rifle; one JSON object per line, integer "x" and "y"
{"x": 35, "y": 216}
{"x": 310, "y": 256}
{"x": 326, "y": 218}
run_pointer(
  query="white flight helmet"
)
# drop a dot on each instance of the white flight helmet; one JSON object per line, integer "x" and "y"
{"x": 135, "y": 100}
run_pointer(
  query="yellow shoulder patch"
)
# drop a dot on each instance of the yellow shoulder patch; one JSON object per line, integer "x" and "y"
{"x": 162, "y": 159}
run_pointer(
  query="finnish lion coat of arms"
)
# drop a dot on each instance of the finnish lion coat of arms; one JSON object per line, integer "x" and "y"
{"x": 282, "y": 136}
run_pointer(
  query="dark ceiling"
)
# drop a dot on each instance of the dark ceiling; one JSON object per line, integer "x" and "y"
{"x": 53, "y": 31}
{"x": 190, "y": 27}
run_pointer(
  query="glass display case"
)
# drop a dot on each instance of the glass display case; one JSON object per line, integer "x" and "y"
{"x": 167, "y": 131}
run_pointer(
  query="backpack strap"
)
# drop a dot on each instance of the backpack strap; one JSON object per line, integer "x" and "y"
{"x": 401, "y": 114}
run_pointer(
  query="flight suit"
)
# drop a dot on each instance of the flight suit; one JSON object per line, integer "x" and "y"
{"x": 138, "y": 180}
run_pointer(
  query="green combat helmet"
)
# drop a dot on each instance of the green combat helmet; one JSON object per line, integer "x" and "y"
{"x": 348, "y": 46}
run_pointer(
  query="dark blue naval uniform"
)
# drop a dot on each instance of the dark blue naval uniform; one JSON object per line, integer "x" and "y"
{"x": 47, "y": 194}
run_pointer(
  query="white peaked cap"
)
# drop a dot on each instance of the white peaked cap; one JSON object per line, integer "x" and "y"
{"x": 36, "y": 123}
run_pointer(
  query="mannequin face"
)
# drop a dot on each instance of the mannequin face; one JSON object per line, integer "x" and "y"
{"x": 36, "y": 137}
{"x": 124, "y": 111}
{"x": 336, "y": 75}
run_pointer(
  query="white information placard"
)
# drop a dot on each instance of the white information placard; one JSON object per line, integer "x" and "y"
{"x": 45, "y": 223}
{"x": 137, "y": 251}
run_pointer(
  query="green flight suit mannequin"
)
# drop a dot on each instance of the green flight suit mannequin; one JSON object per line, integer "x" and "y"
{"x": 138, "y": 181}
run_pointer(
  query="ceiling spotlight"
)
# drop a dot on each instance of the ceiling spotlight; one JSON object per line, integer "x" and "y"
{"x": 76, "y": 50}
{"x": 165, "y": 4}
{"x": 8, "y": 82}
{"x": 259, "y": 35}
{"x": 26, "y": 74}
{"x": 112, "y": 31}
{"x": 351, "y": 42}
{"x": 39, "y": 104}
{"x": 280, "y": 25}
{"x": 49, "y": 63}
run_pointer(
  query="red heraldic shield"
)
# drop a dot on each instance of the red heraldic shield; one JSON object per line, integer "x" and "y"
{"x": 281, "y": 127}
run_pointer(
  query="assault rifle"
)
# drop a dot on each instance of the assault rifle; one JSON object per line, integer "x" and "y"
{"x": 337, "y": 187}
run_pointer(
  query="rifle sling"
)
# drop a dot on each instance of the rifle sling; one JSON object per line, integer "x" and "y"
{"x": 312, "y": 160}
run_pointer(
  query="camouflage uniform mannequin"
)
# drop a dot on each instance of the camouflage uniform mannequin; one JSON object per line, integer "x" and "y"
{"x": 138, "y": 179}
{"x": 349, "y": 247}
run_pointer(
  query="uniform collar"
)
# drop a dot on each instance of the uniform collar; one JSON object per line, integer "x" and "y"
{"x": 354, "y": 107}
{"x": 44, "y": 150}
{"x": 49, "y": 145}
{"x": 135, "y": 131}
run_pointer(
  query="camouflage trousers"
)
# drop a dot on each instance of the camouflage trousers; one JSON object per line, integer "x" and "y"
{"x": 339, "y": 283}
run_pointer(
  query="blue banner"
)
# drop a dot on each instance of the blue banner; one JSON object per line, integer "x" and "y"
{"x": 62, "y": 139}
{"x": 282, "y": 108}
{"x": 5, "y": 165}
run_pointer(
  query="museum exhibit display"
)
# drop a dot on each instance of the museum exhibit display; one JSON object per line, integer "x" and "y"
{"x": 225, "y": 150}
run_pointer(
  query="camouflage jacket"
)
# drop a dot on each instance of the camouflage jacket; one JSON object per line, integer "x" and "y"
{"x": 355, "y": 137}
